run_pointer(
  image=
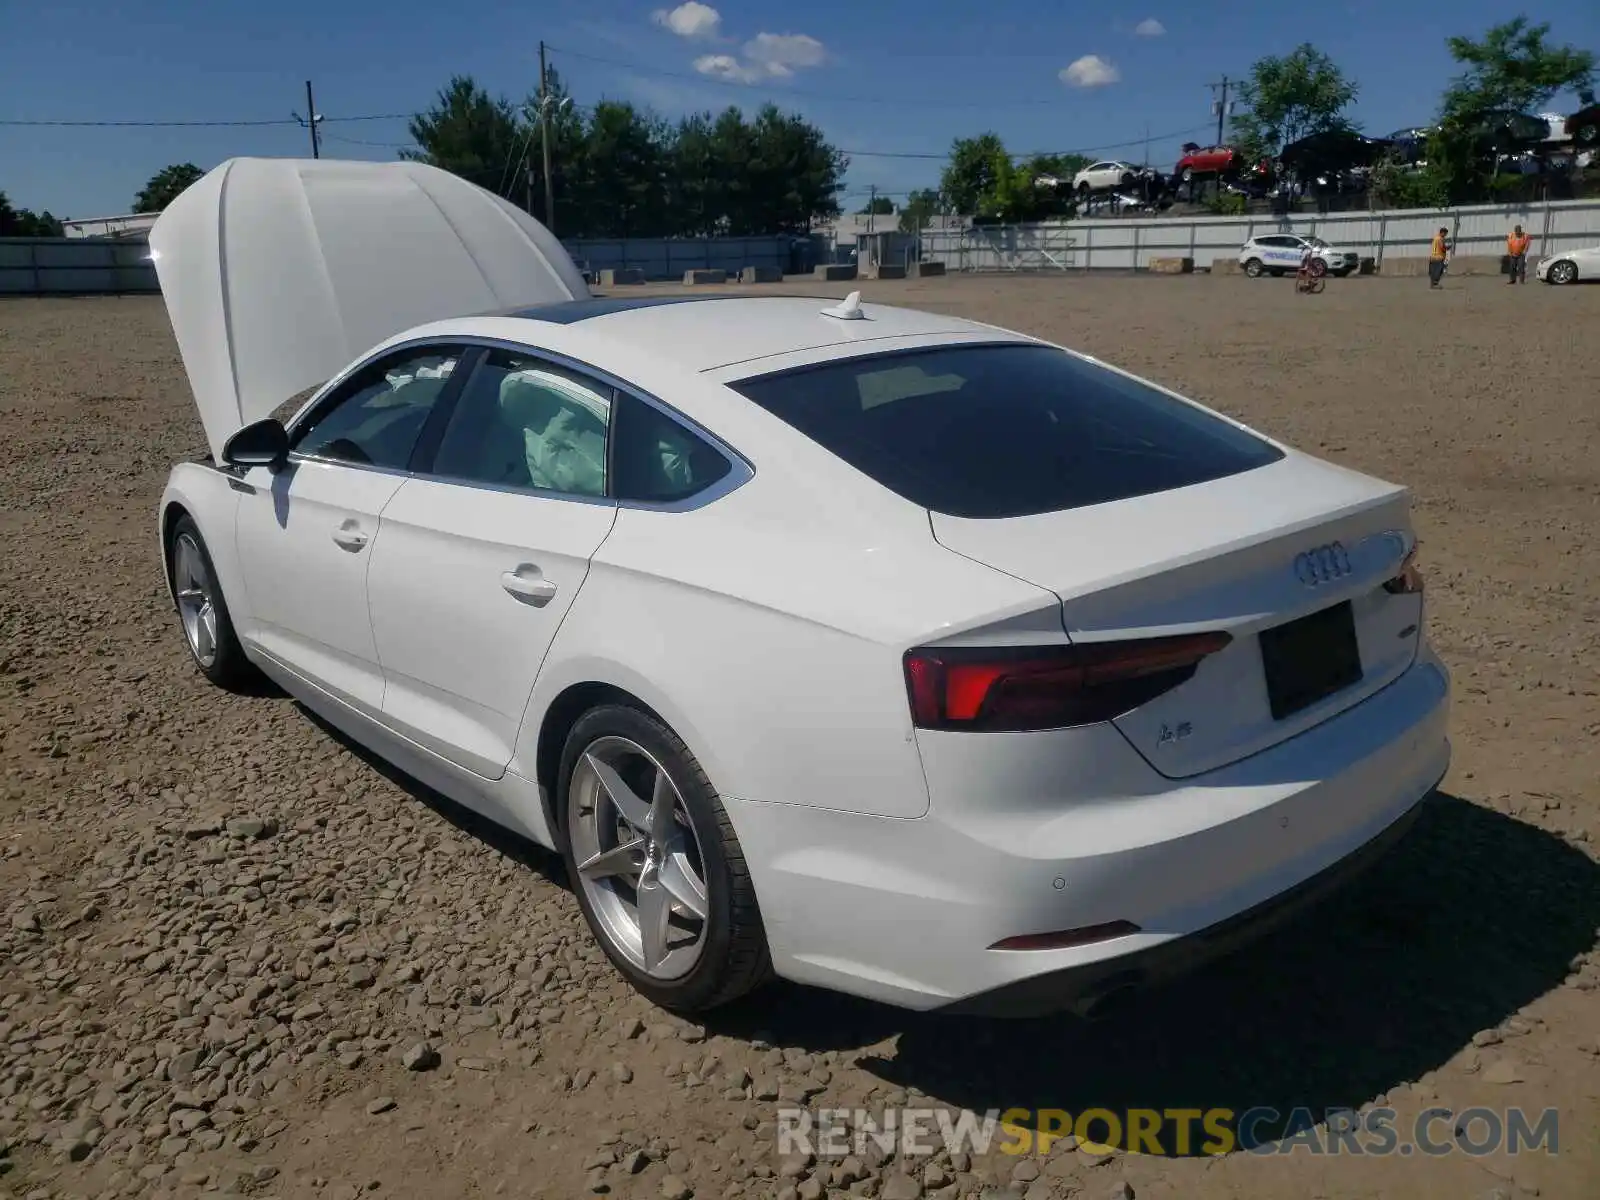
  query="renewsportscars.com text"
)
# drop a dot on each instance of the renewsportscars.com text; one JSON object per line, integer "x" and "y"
{"x": 1171, "y": 1132}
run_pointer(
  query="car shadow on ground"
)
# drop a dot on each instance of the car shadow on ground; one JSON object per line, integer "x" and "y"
{"x": 1471, "y": 917}
{"x": 499, "y": 839}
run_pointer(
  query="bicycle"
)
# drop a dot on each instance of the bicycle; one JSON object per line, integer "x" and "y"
{"x": 1311, "y": 277}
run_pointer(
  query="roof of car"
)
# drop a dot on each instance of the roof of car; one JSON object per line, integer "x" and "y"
{"x": 704, "y": 333}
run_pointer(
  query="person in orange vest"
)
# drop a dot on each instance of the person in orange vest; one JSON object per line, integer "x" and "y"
{"x": 1517, "y": 244}
{"x": 1437, "y": 255}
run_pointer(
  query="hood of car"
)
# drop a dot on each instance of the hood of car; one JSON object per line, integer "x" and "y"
{"x": 278, "y": 273}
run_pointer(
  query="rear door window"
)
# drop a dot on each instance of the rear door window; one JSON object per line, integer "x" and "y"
{"x": 1005, "y": 431}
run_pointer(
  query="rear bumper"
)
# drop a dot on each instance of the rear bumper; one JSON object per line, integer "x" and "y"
{"x": 1038, "y": 833}
{"x": 1084, "y": 988}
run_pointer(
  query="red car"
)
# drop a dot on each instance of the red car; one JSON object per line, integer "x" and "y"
{"x": 1207, "y": 160}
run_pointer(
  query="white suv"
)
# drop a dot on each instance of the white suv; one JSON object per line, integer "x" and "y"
{"x": 1279, "y": 253}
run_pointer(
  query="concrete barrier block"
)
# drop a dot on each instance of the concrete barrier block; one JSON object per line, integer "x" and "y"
{"x": 616, "y": 276}
{"x": 705, "y": 275}
{"x": 1172, "y": 266}
{"x": 835, "y": 272}
{"x": 1368, "y": 266}
{"x": 761, "y": 275}
{"x": 1226, "y": 266}
{"x": 925, "y": 270}
{"x": 1477, "y": 264}
{"x": 885, "y": 271}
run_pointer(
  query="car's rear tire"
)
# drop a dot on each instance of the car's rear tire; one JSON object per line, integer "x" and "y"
{"x": 1562, "y": 272}
{"x": 641, "y": 865}
{"x": 202, "y": 610}
{"x": 1252, "y": 268}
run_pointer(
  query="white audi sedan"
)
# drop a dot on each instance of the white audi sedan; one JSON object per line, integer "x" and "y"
{"x": 857, "y": 646}
{"x": 1569, "y": 266}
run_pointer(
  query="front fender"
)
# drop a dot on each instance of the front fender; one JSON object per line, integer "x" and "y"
{"x": 207, "y": 495}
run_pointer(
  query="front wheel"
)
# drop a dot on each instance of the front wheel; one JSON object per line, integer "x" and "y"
{"x": 202, "y": 610}
{"x": 1562, "y": 272}
{"x": 1253, "y": 268}
{"x": 655, "y": 863}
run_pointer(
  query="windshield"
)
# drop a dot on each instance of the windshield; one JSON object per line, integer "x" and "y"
{"x": 1005, "y": 431}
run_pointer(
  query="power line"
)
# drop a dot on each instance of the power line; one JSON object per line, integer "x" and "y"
{"x": 148, "y": 124}
{"x": 295, "y": 120}
{"x": 913, "y": 101}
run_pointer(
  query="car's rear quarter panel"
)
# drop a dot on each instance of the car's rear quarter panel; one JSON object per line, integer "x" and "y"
{"x": 768, "y": 629}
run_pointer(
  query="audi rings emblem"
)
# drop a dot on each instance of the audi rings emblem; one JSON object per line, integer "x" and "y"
{"x": 1322, "y": 564}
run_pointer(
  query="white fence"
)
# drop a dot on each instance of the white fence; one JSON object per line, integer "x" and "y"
{"x": 1130, "y": 243}
{"x": 115, "y": 266}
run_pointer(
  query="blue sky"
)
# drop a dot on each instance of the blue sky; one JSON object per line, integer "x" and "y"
{"x": 888, "y": 76}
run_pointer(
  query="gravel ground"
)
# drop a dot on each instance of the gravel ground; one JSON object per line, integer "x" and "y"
{"x": 237, "y": 957}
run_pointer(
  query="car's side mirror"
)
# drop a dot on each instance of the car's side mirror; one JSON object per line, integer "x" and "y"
{"x": 263, "y": 443}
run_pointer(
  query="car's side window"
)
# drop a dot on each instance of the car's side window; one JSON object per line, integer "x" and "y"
{"x": 523, "y": 422}
{"x": 375, "y": 418}
{"x": 656, "y": 459}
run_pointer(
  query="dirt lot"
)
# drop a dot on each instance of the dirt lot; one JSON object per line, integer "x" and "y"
{"x": 223, "y": 935}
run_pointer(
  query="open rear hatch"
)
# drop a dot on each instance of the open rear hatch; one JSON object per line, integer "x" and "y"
{"x": 1295, "y": 561}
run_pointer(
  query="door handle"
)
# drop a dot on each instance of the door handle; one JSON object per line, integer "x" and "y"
{"x": 528, "y": 583}
{"x": 350, "y": 536}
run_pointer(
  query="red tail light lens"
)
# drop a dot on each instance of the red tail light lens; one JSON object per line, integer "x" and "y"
{"x": 1051, "y": 687}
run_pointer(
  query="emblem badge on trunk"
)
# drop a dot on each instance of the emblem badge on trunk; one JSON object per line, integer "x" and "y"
{"x": 1322, "y": 564}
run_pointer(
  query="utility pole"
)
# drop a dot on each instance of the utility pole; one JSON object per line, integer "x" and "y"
{"x": 1222, "y": 104}
{"x": 872, "y": 207}
{"x": 311, "y": 122}
{"x": 544, "y": 130}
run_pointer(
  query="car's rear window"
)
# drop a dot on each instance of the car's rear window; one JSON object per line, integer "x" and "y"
{"x": 1005, "y": 430}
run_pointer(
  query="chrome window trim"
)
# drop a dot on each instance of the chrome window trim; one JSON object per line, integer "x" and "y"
{"x": 740, "y": 470}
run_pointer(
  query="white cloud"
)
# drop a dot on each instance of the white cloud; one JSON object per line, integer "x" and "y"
{"x": 1090, "y": 71}
{"x": 726, "y": 66}
{"x": 690, "y": 20}
{"x": 1150, "y": 27}
{"x": 780, "y": 53}
{"x": 766, "y": 56}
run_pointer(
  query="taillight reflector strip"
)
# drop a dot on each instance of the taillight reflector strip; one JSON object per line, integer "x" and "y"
{"x": 1048, "y": 687}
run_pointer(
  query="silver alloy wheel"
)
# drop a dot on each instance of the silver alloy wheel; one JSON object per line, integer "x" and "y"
{"x": 638, "y": 858}
{"x": 196, "y": 600}
{"x": 1563, "y": 272}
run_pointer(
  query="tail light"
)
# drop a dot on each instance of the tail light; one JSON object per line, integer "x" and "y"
{"x": 1052, "y": 687}
{"x": 1408, "y": 582}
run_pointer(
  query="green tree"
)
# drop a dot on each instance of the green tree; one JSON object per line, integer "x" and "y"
{"x": 919, "y": 209}
{"x": 474, "y": 135}
{"x": 878, "y": 205}
{"x": 163, "y": 187}
{"x": 625, "y": 172}
{"x": 568, "y": 134}
{"x": 22, "y": 222}
{"x": 795, "y": 174}
{"x": 1290, "y": 97}
{"x": 694, "y": 184}
{"x": 973, "y": 172}
{"x": 1513, "y": 68}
